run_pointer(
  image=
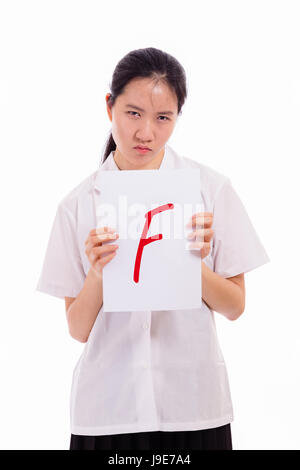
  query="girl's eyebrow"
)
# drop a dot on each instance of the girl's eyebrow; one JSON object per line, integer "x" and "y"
{"x": 140, "y": 109}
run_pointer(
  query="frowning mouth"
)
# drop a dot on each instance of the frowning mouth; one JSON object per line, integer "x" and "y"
{"x": 142, "y": 149}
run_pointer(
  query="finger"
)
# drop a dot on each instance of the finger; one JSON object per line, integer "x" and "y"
{"x": 88, "y": 246}
{"x": 91, "y": 242}
{"x": 199, "y": 246}
{"x": 101, "y": 250}
{"x": 100, "y": 230}
{"x": 93, "y": 252}
{"x": 201, "y": 235}
{"x": 200, "y": 221}
{"x": 97, "y": 240}
{"x": 204, "y": 214}
{"x": 104, "y": 260}
{"x": 103, "y": 237}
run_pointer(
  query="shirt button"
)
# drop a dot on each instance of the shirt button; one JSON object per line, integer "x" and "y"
{"x": 144, "y": 365}
{"x": 146, "y": 326}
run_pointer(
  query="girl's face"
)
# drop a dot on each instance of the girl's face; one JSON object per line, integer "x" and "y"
{"x": 139, "y": 117}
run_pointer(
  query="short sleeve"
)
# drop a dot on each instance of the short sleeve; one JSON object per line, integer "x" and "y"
{"x": 236, "y": 246}
{"x": 62, "y": 271}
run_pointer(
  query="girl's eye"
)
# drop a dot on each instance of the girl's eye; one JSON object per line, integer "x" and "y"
{"x": 135, "y": 112}
{"x": 132, "y": 112}
{"x": 165, "y": 117}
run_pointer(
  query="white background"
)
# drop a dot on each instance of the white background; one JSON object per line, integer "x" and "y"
{"x": 241, "y": 118}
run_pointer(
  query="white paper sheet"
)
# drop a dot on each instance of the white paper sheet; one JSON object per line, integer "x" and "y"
{"x": 170, "y": 272}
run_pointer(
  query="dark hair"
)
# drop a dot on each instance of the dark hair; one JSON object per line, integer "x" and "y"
{"x": 146, "y": 63}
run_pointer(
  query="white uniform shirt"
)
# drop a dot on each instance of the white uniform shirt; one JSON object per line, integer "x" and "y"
{"x": 150, "y": 371}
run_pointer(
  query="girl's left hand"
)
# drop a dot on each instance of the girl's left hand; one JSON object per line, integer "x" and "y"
{"x": 201, "y": 232}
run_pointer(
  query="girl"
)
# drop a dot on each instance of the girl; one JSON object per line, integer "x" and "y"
{"x": 149, "y": 380}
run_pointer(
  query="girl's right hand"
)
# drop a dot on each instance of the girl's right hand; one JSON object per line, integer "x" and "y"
{"x": 99, "y": 253}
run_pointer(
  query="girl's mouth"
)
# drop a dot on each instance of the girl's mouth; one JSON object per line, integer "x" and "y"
{"x": 142, "y": 150}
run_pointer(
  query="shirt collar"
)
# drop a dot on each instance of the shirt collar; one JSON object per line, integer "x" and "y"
{"x": 171, "y": 160}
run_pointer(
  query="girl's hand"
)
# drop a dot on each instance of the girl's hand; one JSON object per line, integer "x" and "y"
{"x": 202, "y": 232}
{"x": 97, "y": 252}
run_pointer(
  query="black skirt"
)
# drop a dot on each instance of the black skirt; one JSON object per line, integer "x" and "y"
{"x": 206, "y": 439}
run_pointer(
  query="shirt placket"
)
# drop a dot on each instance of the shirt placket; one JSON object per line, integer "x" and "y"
{"x": 146, "y": 406}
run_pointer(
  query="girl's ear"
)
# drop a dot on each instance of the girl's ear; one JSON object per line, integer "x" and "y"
{"x": 108, "y": 106}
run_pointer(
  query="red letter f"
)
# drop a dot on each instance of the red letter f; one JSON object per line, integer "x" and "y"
{"x": 144, "y": 241}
